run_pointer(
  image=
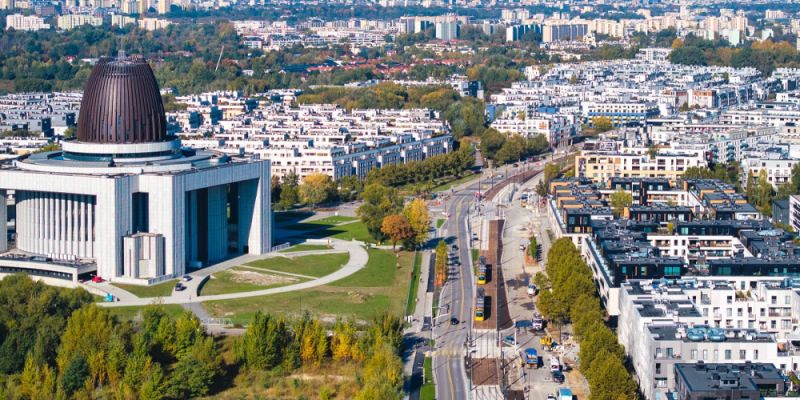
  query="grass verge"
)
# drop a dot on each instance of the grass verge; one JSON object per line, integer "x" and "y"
{"x": 428, "y": 389}
{"x": 304, "y": 247}
{"x": 313, "y": 265}
{"x": 413, "y": 285}
{"x": 162, "y": 289}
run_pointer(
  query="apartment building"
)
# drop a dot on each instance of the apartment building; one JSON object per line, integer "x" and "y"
{"x": 664, "y": 324}
{"x": 30, "y": 23}
{"x": 72, "y": 21}
{"x": 600, "y": 165}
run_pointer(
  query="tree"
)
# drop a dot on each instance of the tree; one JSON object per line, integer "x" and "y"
{"x": 263, "y": 343}
{"x": 602, "y": 124}
{"x": 379, "y": 201}
{"x": 382, "y": 375}
{"x": 48, "y": 147}
{"x": 196, "y": 370}
{"x": 317, "y": 188}
{"x": 76, "y": 374}
{"x": 619, "y": 200}
{"x": 397, "y": 229}
{"x": 551, "y": 171}
{"x": 343, "y": 345}
{"x": 760, "y": 192}
{"x": 289, "y": 194}
{"x": 416, "y": 212}
{"x": 86, "y": 335}
{"x": 541, "y": 188}
{"x": 533, "y": 248}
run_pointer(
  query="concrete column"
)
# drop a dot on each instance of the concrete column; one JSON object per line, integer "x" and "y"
{"x": 260, "y": 240}
{"x": 3, "y": 221}
{"x": 113, "y": 221}
{"x": 217, "y": 223}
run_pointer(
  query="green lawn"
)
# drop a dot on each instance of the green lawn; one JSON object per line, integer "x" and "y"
{"x": 363, "y": 298}
{"x": 413, "y": 286}
{"x": 316, "y": 302}
{"x": 132, "y": 312}
{"x": 321, "y": 223}
{"x": 439, "y": 223}
{"x": 350, "y": 231}
{"x": 428, "y": 389}
{"x": 304, "y": 247}
{"x": 333, "y": 220}
{"x": 224, "y": 282}
{"x": 379, "y": 271}
{"x": 160, "y": 290}
{"x": 289, "y": 216}
{"x": 313, "y": 265}
{"x": 455, "y": 182}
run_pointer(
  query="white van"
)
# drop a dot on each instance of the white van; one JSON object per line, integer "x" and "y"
{"x": 555, "y": 365}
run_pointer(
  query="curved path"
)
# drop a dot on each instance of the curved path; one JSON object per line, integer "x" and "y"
{"x": 358, "y": 259}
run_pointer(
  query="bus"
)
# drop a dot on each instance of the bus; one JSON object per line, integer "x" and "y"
{"x": 481, "y": 270}
{"x": 479, "y": 303}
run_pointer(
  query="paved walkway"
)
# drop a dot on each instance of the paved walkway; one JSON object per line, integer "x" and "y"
{"x": 358, "y": 259}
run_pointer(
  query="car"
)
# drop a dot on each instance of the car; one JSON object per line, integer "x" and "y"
{"x": 510, "y": 340}
{"x": 558, "y": 376}
{"x": 187, "y": 278}
{"x": 455, "y": 247}
{"x": 454, "y": 321}
{"x": 179, "y": 287}
{"x": 551, "y": 397}
{"x": 97, "y": 279}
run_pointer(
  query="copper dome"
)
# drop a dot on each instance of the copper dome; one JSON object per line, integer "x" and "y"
{"x": 122, "y": 104}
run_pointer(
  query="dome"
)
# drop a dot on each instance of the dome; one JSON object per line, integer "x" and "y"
{"x": 121, "y": 104}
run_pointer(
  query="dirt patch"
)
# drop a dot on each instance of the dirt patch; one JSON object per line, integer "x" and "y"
{"x": 257, "y": 278}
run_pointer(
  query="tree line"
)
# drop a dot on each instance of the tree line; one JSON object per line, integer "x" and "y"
{"x": 319, "y": 188}
{"x": 55, "y": 343}
{"x": 275, "y": 343}
{"x": 568, "y": 295}
{"x": 765, "y": 55}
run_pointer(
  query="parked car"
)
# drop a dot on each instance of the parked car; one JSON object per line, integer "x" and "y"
{"x": 558, "y": 376}
{"x": 97, "y": 279}
{"x": 454, "y": 321}
{"x": 179, "y": 287}
{"x": 509, "y": 340}
{"x": 187, "y": 278}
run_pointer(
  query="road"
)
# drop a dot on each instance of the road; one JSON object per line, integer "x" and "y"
{"x": 457, "y": 296}
{"x": 455, "y": 302}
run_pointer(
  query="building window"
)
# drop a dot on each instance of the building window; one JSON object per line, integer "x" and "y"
{"x": 705, "y": 355}
{"x": 755, "y": 354}
{"x": 728, "y": 354}
{"x": 742, "y": 354}
{"x": 658, "y": 368}
{"x": 669, "y": 352}
{"x": 693, "y": 355}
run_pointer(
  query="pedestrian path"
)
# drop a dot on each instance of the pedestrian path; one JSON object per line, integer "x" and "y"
{"x": 358, "y": 259}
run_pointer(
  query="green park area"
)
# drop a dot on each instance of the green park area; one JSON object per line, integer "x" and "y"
{"x": 272, "y": 272}
{"x": 162, "y": 289}
{"x": 380, "y": 287}
{"x": 304, "y": 247}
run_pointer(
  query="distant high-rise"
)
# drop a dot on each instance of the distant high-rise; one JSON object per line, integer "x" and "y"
{"x": 164, "y": 6}
{"x": 6, "y": 4}
{"x": 144, "y": 6}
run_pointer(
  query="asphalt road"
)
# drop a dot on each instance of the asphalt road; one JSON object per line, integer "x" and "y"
{"x": 456, "y": 302}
